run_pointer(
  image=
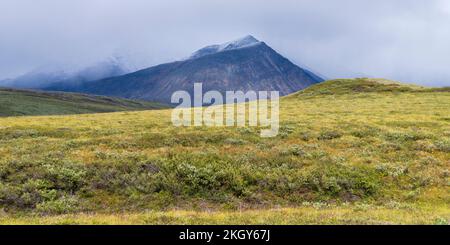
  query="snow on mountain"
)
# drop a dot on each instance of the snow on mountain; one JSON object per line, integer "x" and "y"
{"x": 243, "y": 42}
{"x": 244, "y": 64}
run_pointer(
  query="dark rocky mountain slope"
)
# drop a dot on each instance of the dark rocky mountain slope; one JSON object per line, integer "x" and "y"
{"x": 244, "y": 64}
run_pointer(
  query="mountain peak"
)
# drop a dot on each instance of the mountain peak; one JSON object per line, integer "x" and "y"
{"x": 241, "y": 42}
{"x": 244, "y": 42}
{"x": 243, "y": 64}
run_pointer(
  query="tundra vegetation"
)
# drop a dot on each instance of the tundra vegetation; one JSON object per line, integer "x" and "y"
{"x": 359, "y": 151}
{"x": 14, "y": 102}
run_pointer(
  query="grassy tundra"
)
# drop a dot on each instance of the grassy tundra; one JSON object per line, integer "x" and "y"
{"x": 348, "y": 152}
{"x": 14, "y": 102}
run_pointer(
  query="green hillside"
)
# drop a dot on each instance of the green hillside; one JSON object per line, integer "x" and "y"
{"x": 363, "y": 152}
{"x": 26, "y": 102}
{"x": 363, "y": 85}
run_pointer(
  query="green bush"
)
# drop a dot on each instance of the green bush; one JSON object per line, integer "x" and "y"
{"x": 392, "y": 169}
{"x": 443, "y": 145}
{"x": 405, "y": 136}
{"x": 65, "y": 204}
{"x": 199, "y": 178}
{"x": 297, "y": 150}
{"x": 329, "y": 135}
{"x": 338, "y": 181}
{"x": 66, "y": 176}
{"x": 367, "y": 132}
{"x": 233, "y": 141}
{"x": 10, "y": 196}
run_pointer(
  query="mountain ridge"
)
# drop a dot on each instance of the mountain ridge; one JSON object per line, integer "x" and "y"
{"x": 21, "y": 102}
{"x": 49, "y": 75}
{"x": 244, "y": 64}
{"x": 363, "y": 85}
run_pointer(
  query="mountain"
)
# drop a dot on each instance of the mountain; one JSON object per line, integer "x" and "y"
{"x": 35, "y": 79}
{"x": 104, "y": 69}
{"x": 14, "y": 102}
{"x": 47, "y": 76}
{"x": 244, "y": 64}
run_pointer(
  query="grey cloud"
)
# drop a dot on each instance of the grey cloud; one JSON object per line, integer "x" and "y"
{"x": 396, "y": 39}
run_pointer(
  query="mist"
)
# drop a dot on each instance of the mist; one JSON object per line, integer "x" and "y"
{"x": 401, "y": 40}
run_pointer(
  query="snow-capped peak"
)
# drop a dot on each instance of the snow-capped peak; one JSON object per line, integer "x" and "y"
{"x": 239, "y": 43}
{"x": 243, "y": 42}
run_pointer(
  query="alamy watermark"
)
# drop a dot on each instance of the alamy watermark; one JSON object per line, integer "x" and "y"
{"x": 262, "y": 109}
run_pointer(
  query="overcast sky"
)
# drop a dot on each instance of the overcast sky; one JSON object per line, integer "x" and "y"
{"x": 396, "y": 39}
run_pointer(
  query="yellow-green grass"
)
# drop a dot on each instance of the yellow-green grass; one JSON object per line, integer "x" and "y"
{"x": 385, "y": 151}
{"x": 14, "y": 102}
{"x": 309, "y": 215}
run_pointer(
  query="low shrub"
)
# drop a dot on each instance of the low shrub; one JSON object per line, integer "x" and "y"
{"x": 339, "y": 181}
{"x": 65, "y": 204}
{"x": 329, "y": 135}
{"x": 443, "y": 145}
{"x": 233, "y": 141}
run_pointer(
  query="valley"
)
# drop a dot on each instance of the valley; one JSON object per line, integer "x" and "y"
{"x": 354, "y": 151}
